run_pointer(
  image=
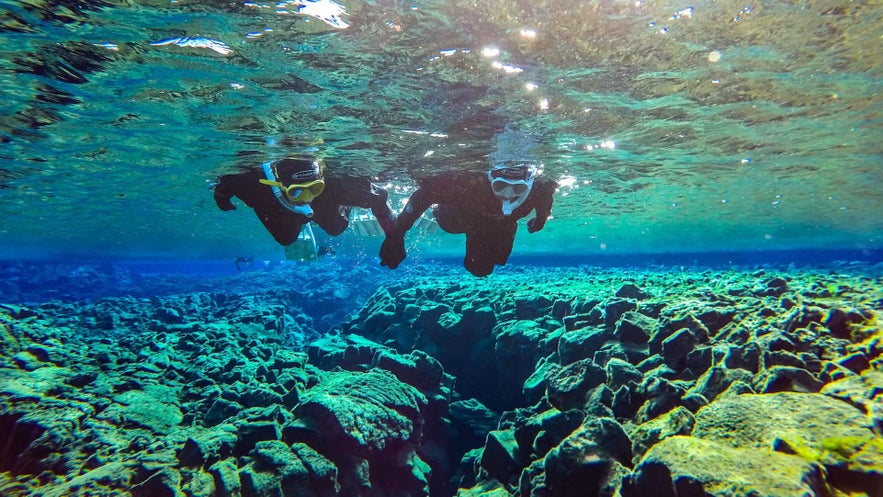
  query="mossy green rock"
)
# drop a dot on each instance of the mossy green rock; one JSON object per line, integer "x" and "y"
{"x": 144, "y": 410}
{"x": 278, "y": 469}
{"x": 861, "y": 391}
{"x": 801, "y": 419}
{"x": 681, "y": 466}
{"x": 678, "y": 421}
{"x": 370, "y": 409}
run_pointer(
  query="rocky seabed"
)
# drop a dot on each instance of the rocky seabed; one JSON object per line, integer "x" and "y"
{"x": 530, "y": 383}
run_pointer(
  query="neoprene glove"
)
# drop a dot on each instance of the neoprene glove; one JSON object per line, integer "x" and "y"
{"x": 392, "y": 251}
{"x": 223, "y": 201}
{"x": 534, "y": 225}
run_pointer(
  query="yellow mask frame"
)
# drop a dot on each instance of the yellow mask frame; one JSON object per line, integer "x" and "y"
{"x": 302, "y": 193}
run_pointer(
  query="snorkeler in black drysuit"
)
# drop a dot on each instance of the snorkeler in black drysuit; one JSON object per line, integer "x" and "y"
{"x": 484, "y": 206}
{"x": 289, "y": 193}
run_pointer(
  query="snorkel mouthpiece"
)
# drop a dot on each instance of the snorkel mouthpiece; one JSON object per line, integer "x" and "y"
{"x": 303, "y": 209}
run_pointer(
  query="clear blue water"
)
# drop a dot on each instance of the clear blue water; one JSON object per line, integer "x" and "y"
{"x": 672, "y": 127}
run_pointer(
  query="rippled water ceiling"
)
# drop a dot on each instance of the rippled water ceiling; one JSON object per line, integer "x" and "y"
{"x": 670, "y": 126}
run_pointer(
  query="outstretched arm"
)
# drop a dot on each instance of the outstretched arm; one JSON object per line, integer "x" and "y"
{"x": 543, "y": 206}
{"x": 392, "y": 252}
{"x": 380, "y": 208}
{"x": 418, "y": 203}
{"x": 221, "y": 190}
{"x": 245, "y": 186}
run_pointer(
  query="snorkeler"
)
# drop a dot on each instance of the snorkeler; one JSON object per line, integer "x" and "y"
{"x": 484, "y": 206}
{"x": 289, "y": 193}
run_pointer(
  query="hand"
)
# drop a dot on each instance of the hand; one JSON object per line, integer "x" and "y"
{"x": 224, "y": 202}
{"x": 534, "y": 225}
{"x": 392, "y": 252}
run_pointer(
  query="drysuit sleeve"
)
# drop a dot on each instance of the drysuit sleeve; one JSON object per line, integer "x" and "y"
{"x": 246, "y": 186}
{"x": 392, "y": 252}
{"x": 222, "y": 192}
{"x": 377, "y": 201}
{"x": 543, "y": 206}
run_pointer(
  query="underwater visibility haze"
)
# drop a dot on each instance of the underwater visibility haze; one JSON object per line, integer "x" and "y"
{"x": 700, "y": 315}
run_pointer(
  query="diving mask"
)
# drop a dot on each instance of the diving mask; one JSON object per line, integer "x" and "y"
{"x": 512, "y": 185}
{"x": 300, "y": 193}
{"x": 306, "y": 184}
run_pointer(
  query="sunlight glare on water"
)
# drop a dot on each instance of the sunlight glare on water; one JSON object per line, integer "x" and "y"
{"x": 669, "y": 126}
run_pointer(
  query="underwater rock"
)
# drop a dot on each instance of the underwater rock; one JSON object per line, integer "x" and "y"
{"x": 677, "y": 347}
{"x": 631, "y": 291}
{"x": 165, "y": 481}
{"x": 277, "y": 469}
{"x": 251, "y": 432}
{"x": 144, "y": 410}
{"x": 581, "y": 343}
{"x": 518, "y": 346}
{"x": 786, "y": 379}
{"x": 532, "y": 307}
{"x": 670, "y": 322}
{"x": 588, "y": 462}
{"x": 367, "y": 409}
{"x": 813, "y": 426}
{"x": 688, "y": 466}
{"x": 863, "y": 392}
{"x": 661, "y": 396}
{"x": 221, "y": 409}
{"x": 855, "y": 362}
{"x": 615, "y": 308}
{"x": 621, "y": 373}
{"x": 419, "y": 370}
{"x": 717, "y": 379}
{"x": 473, "y": 416}
{"x": 678, "y": 421}
{"x": 755, "y": 419}
{"x": 346, "y": 351}
{"x": 225, "y": 475}
{"x": 568, "y": 386}
{"x": 534, "y": 387}
{"x": 500, "y": 456}
{"x": 634, "y": 327}
{"x": 207, "y": 447}
{"x": 537, "y": 434}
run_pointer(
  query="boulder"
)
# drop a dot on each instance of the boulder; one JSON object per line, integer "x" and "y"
{"x": 863, "y": 392}
{"x": 568, "y": 386}
{"x": 589, "y": 461}
{"x": 539, "y": 433}
{"x": 362, "y": 411}
{"x": 206, "y": 447}
{"x": 226, "y": 478}
{"x": 717, "y": 379}
{"x": 634, "y": 327}
{"x": 631, "y": 291}
{"x": 786, "y": 379}
{"x": 681, "y": 466}
{"x": 813, "y": 426}
{"x": 501, "y": 457}
{"x": 678, "y": 421}
{"x": 582, "y": 343}
{"x": 621, "y": 373}
{"x": 145, "y": 410}
{"x": 277, "y": 469}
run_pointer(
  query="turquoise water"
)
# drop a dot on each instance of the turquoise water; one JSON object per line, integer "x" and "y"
{"x": 700, "y": 315}
{"x": 671, "y": 126}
